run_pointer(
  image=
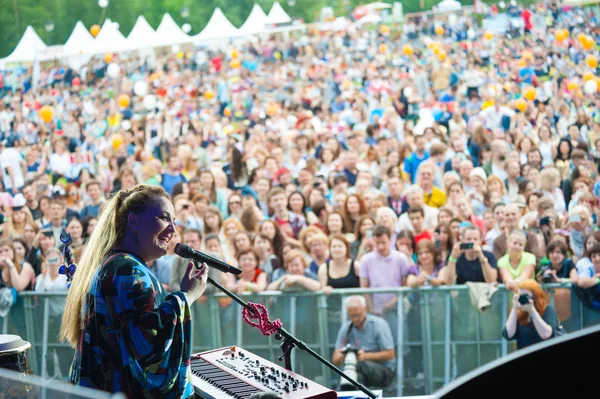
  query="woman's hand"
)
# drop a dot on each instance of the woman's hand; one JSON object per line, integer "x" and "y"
{"x": 515, "y": 300}
{"x": 528, "y": 307}
{"x": 511, "y": 285}
{"x": 422, "y": 278}
{"x": 328, "y": 290}
{"x": 193, "y": 282}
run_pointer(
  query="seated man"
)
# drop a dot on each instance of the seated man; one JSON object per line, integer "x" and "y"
{"x": 371, "y": 339}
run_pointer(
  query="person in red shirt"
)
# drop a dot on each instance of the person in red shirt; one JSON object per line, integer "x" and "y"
{"x": 526, "y": 15}
{"x": 416, "y": 215}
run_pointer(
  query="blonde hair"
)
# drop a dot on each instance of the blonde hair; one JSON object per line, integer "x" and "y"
{"x": 111, "y": 228}
{"x": 549, "y": 179}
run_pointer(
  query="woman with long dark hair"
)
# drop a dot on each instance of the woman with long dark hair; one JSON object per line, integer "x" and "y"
{"x": 236, "y": 170}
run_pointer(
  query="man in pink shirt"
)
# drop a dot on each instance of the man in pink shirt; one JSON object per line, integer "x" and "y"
{"x": 383, "y": 268}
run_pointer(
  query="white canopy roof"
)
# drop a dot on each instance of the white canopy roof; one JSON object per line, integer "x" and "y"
{"x": 378, "y": 5}
{"x": 277, "y": 15}
{"x": 449, "y": 5}
{"x": 109, "y": 40}
{"x": 255, "y": 23}
{"x": 141, "y": 36}
{"x": 218, "y": 27}
{"x": 169, "y": 33}
{"x": 79, "y": 42}
{"x": 30, "y": 46}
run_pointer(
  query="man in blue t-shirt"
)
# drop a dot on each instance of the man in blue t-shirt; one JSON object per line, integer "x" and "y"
{"x": 172, "y": 175}
{"x": 94, "y": 191}
{"x": 411, "y": 164}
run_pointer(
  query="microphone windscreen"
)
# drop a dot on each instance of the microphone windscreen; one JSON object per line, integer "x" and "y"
{"x": 183, "y": 250}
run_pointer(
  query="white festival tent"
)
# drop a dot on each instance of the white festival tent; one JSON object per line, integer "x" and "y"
{"x": 169, "y": 33}
{"x": 109, "y": 40}
{"x": 448, "y": 6}
{"x": 277, "y": 15}
{"x": 142, "y": 36}
{"x": 218, "y": 27}
{"x": 255, "y": 23}
{"x": 29, "y": 48}
{"x": 79, "y": 42}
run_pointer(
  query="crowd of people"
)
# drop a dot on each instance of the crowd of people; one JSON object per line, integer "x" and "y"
{"x": 363, "y": 158}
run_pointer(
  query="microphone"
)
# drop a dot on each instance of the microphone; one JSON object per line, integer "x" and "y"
{"x": 185, "y": 251}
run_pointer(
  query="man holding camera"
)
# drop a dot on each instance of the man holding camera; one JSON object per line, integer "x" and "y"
{"x": 365, "y": 346}
{"x": 468, "y": 262}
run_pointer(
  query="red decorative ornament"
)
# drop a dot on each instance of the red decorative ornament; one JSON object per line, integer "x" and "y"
{"x": 266, "y": 326}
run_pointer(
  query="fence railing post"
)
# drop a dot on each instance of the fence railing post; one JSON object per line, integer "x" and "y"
{"x": 215, "y": 315}
{"x": 324, "y": 335}
{"x": 29, "y": 328}
{"x": 426, "y": 339}
{"x": 45, "y": 338}
{"x": 504, "y": 344}
{"x": 447, "y": 337}
{"x": 293, "y": 327}
{"x": 400, "y": 345}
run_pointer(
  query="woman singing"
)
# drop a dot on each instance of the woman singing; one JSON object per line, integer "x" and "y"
{"x": 129, "y": 335}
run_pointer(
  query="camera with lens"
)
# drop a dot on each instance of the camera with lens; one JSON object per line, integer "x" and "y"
{"x": 544, "y": 267}
{"x": 350, "y": 362}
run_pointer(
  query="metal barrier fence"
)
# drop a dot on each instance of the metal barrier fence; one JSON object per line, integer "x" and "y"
{"x": 439, "y": 334}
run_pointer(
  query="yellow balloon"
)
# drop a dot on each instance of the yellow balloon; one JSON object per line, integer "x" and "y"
{"x": 277, "y": 55}
{"x": 234, "y": 53}
{"x": 530, "y": 93}
{"x": 209, "y": 94}
{"x": 488, "y": 35}
{"x": 572, "y": 85}
{"x": 581, "y": 37}
{"x": 117, "y": 141}
{"x": 591, "y": 61}
{"x": 588, "y": 43}
{"x": 47, "y": 113}
{"x": 522, "y": 63}
{"x": 94, "y": 30}
{"x": 124, "y": 100}
{"x": 180, "y": 54}
{"x": 385, "y": 29}
{"x": 439, "y": 30}
{"x": 588, "y": 76}
{"x": 407, "y": 49}
{"x": 442, "y": 55}
{"x": 561, "y": 34}
{"x": 108, "y": 57}
{"x": 235, "y": 63}
{"x": 383, "y": 48}
{"x": 521, "y": 104}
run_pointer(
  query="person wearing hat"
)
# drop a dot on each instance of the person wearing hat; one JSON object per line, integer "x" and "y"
{"x": 16, "y": 218}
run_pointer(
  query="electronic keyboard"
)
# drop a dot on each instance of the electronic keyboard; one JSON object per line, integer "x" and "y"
{"x": 233, "y": 372}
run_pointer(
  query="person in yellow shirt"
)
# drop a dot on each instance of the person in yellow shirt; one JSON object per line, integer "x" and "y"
{"x": 432, "y": 195}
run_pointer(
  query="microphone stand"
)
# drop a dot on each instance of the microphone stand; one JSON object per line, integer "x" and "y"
{"x": 290, "y": 342}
